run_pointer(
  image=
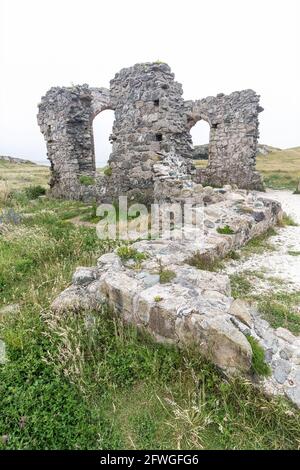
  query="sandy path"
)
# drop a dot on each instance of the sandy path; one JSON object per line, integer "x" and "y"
{"x": 282, "y": 264}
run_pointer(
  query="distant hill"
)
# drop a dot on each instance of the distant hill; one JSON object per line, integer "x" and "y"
{"x": 17, "y": 173}
{"x": 16, "y": 160}
{"x": 280, "y": 168}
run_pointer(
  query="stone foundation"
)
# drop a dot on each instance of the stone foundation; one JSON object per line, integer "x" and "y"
{"x": 195, "y": 306}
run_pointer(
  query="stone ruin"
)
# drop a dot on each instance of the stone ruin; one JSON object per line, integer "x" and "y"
{"x": 151, "y": 159}
{"x": 152, "y": 122}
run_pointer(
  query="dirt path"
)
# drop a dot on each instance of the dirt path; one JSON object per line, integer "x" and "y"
{"x": 279, "y": 269}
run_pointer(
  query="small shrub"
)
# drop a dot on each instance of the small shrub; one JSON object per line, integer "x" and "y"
{"x": 233, "y": 255}
{"x": 86, "y": 180}
{"x": 166, "y": 276}
{"x": 259, "y": 365}
{"x": 226, "y": 230}
{"x": 33, "y": 192}
{"x": 126, "y": 252}
{"x": 157, "y": 298}
{"x": 205, "y": 262}
{"x": 108, "y": 171}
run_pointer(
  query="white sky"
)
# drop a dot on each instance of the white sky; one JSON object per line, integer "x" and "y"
{"x": 212, "y": 46}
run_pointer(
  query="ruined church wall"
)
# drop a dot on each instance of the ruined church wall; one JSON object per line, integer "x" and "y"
{"x": 233, "y": 121}
{"x": 65, "y": 118}
{"x": 150, "y": 122}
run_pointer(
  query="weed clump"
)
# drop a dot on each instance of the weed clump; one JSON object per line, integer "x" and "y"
{"x": 278, "y": 310}
{"x": 166, "y": 276}
{"x": 287, "y": 220}
{"x": 33, "y": 192}
{"x": 107, "y": 171}
{"x": 259, "y": 365}
{"x": 205, "y": 262}
{"x": 226, "y": 230}
{"x": 240, "y": 285}
{"x": 86, "y": 180}
{"x": 127, "y": 252}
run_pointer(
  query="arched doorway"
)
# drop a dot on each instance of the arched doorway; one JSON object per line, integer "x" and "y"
{"x": 102, "y": 129}
{"x": 200, "y": 134}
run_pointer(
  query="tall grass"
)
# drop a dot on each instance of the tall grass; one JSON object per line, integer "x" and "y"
{"x": 89, "y": 381}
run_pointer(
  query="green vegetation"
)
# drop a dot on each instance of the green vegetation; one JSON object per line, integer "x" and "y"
{"x": 86, "y": 180}
{"x": 107, "y": 171}
{"x": 234, "y": 255}
{"x": 205, "y": 262}
{"x": 259, "y": 244}
{"x": 259, "y": 365}
{"x": 88, "y": 381}
{"x": 166, "y": 275}
{"x": 158, "y": 298}
{"x": 16, "y": 176}
{"x": 287, "y": 220}
{"x": 240, "y": 285}
{"x": 280, "y": 168}
{"x": 33, "y": 192}
{"x": 279, "y": 310}
{"x": 226, "y": 230}
{"x": 294, "y": 253}
{"x": 127, "y": 252}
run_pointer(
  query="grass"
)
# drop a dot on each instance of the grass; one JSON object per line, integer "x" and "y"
{"x": 33, "y": 192}
{"x": 88, "y": 381}
{"x": 259, "y": 365}
{"x": 259, "y": 244}
{"x": 294, "y": 253}
{"x": 287, "y": 220}
{"x": 205, "y": 262}
{"x": 240, "y": 285}
{"x": 86, "y": 180}
{"x": 107, "y": 171}
{"x": 280, "y": 168}
{"x": 126, "y": 253}
{"x": 279, "y": 310}
{"x": 226, "y": 230}
{"x": 166, "y": 275}
{"x": 16, "y": 176}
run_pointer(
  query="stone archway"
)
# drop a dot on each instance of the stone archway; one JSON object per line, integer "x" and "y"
{"x": 66, "y": 119}
{"x": 200, "y": 134}
{"x": 102, "y": 131}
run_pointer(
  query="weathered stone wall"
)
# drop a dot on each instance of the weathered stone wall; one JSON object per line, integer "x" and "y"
{"x": 65, "y": 118}
{"x": 233, "y": 121}
{"x": 152, "y": 122}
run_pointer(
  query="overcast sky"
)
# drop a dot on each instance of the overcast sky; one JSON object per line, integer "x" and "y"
{"x": 212, "y": 46}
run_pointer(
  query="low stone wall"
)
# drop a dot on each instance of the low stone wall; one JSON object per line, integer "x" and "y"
{"x": 195, "y": 306}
